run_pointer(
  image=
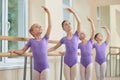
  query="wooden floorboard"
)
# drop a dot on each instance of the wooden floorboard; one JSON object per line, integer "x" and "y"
{"x": 110, "y": 78}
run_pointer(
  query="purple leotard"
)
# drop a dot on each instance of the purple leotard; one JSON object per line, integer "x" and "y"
{"x": 71, "y": 55}
{"x": 100, "y": 52}
{"x": 86, "y": 53}
{"x": 39, "y": 50}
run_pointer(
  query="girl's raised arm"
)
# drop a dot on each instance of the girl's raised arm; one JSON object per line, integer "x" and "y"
{"x": 49, "y": 21}
{"x": 77, "y": 19}
{"x": 92, "y": 27}
{"x": 108, "y": 33}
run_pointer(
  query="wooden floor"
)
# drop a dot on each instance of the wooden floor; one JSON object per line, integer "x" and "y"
{"x": 113, "y": 78}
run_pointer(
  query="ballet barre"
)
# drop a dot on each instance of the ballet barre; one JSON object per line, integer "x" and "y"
{"x": 115, "y": 52}
{"x": 11, "y": 38}
{"x": 7, "y": 54}
{"x": 115, "y": 47}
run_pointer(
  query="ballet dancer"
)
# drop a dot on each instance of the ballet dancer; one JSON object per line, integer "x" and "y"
{"x": 100, "y": 58}
{"x": 71, "y": 45}
{"x": 86, "y": 54}
{"x": 39, "y": 46}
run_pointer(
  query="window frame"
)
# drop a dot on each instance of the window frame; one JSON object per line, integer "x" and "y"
{"x": 7, "y": 60}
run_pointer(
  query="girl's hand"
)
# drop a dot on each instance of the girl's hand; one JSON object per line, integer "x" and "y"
{"x": 14, "y": 51}
{"x": 11, "y": 52}
{"x": 45, "y": 9}
{"x": 69, "y": 10}
{"x": 104, "y": 27}
{"x": 89, "y": 19}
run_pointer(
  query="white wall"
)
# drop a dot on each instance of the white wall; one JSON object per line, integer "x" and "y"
{"x": 13, "y": 74}
{"x": 107, "y": 2}
{"x": 82, "y": 7}
{"x": 115, "y": 38}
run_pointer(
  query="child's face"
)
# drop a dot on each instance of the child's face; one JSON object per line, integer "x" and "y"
{"x": 67, "y": 26}
{"x": 99, "y": 37}
{"x": 36, "y": 29}
{"x": 82, "y": 36}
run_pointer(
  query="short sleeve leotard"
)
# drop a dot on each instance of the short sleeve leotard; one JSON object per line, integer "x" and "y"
{"x": 39, "y": 50}
{"x": 71, "y": 45}
{"x": 86, "y": 53}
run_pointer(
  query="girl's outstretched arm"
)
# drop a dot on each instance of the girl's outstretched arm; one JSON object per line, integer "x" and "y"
{"x": 49, "y": 21}
{"x": 19, "y": 52}
{"x": 54, "y": 47}
{"x": 77, "y": 19}
{"x": 92, "y": 27}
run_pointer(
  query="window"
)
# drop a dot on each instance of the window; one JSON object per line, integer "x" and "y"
{"x": 66, "y": 15}
{"x": 13, "y": 15}
{"x": 98, "y": 18}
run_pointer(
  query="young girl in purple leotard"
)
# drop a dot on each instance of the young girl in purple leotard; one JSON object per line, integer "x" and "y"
{"x": 39, "y": 47}
{"x": 86, "y": 54}
{"x": 71, "y": 45}
{"x": 100, "y": 58}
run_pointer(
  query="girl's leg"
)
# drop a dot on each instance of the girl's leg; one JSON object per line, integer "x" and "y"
{"x": 82, "y": 72}
{"x": 66, "y": 72}
{"x": 36, "y": 75}
{"x": 97, "y": 67}
{"x": 73, "y": 72}
{"x": 102, "y": 71}
{"x": 44, "y": 74}
{"x": 89, "y": 72}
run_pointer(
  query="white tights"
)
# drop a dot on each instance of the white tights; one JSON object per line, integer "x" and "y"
{"x": 41, "y": 76}
{"x": 86, "y": 73}
{"x": 70, "y": 73}
{"x": 100, "y": 71}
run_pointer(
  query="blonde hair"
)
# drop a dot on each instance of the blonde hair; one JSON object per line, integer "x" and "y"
{"x": 34, "y": 25}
